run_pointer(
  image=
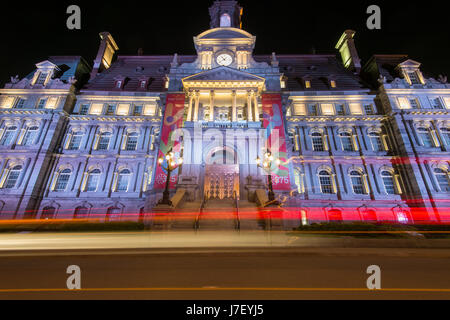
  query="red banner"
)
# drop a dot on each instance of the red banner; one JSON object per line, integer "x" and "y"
{"x": 276, "y": 140}
{"x": 173, "y": 119}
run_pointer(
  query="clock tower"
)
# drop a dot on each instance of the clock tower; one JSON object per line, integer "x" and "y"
{"x": 226, "y": 14}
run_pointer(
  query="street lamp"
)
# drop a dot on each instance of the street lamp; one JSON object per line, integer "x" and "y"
{"x": 171, "y": 166}
{"x": 266, "y": 165}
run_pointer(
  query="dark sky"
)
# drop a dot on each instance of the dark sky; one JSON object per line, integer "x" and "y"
{"x": 31, "y": 32}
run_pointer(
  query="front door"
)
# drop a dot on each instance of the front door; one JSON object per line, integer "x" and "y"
{"x": 221, "y": 181}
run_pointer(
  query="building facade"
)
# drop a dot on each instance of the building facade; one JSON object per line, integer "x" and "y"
{"x": 348, "y": 142}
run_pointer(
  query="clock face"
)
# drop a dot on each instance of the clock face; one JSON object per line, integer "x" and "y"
{"x": 224, "y": 59}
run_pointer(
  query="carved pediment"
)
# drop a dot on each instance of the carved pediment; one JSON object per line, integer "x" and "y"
{"x": 223, "y": 74}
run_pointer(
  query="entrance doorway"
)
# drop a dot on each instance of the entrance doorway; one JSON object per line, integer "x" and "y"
{"x": 222, "y": 181}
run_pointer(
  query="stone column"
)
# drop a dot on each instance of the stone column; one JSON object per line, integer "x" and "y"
{"x": 197, "y": 102}
{"x": 234, "y": 115}
{"x": 191, "y": 99}
{"x": 255, "y": 101}
{"x": 249, "y": 106}
{"x": 211, "y": 105}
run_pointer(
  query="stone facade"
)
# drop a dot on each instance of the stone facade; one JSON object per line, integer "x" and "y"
{"x": 364, "y": 142}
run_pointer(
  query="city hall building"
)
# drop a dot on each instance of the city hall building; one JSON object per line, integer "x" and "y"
{"x": 341, "y": 140}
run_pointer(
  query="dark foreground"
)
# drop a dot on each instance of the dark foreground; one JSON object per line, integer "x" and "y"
{"x": 235, "y": 273}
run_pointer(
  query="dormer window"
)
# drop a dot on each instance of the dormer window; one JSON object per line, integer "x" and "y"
{"x": 413, "y": 78}
{"x": 225, "y": 21}
{"x": 333, "y": 83}
{"x": 119, "y": 84}
{"x": 143, "y": 84}
{"x": 42, "y": 78}
{"x": 307, "y": 84}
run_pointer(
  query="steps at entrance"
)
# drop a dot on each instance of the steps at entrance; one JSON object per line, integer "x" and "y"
{"x": 218, "y": 215}
{"x": 184, "y": 217}
{"x": 250, "y": 218}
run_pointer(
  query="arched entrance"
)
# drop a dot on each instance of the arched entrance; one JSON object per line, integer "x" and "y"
{"x": 221, "y": 174}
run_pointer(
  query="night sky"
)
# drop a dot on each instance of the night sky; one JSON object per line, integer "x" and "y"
{"x": 32, "y": 32}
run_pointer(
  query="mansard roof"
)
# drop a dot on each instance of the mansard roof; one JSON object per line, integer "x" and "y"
{"x": 318, "y": 68}
{"x": 225, "y": 33}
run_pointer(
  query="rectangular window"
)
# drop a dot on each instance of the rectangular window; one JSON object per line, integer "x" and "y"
{"x": 7, "y": 137}
{"x": 413, "y": 78}
{"x": 307, "y": 84}
{"x": 20, "y": 103}
{"x": 414, "y": 103}
{"x": 377, "y": 143}
{"x": 137, "y": 110}
{"x": 312, "y": 110}
{"x": 110, "y": 109}
{"x": 327, "y": 109}
{"x": 92, "y": 182}
{"x": 340, "y": 109}
{"x": 41, "y": 78}
{"x": 355, "y": 108}
{"x": 358, "y": 185}
{"x": 42, "y": 103}
{"x": 84, "y": 109}
{"x": 122, "y": 182}
{"x": 389, "y": 185}
{"x": 368, "y": 108}
{"x": 132, "y": 141}
{"x": 299, "y": 109}
{"x": 75, "y": 142}
{"x": 325, "y": 184}
{"x": 436, "y": 103}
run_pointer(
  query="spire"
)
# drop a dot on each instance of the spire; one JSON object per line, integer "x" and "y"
{"x": 225, "y": 14}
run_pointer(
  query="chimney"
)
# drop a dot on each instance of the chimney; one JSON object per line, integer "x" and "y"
{"x": 347, "y": 49}
{"x": 105, "y": 55}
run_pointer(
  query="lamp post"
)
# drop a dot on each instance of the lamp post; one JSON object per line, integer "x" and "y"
{"x": 171, "y": 166}
{"x": 267, "y": 166}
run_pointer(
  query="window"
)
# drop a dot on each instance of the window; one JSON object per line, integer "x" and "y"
{"x": 388, "y": 181}
{"x": 307, "y": 84}
{"x": 13, "y": 176}
{"x": 368, "y": 108}
{"x": 8, "y": 136}
{"x": 436, "y": 103}
{"x": 340, "y": 109}
{"x": 48, "y": 213}
{"x": 143, "y": 84}
{"x": 119, "y": 84}
{"x": 326, "y": 184}
{"x": 442, "y": 179}
{"x": 41, "y": 78}
{"x": 75, "y": 141}
{"x": 132, "y": 140}
{"x": 123, "y": 180}
{"x": 446, "y": 135}
{"x": 62, "y": 180}
{"x": 137, "y": 110}
{"x": 113, "y": 213}
{"x": 93, "y": 180}
{"x": 225, "y": 20}
{"x": 103, "y": 142}
{"x": 356, "y": 178}
{"x": 317, "y": 141}
{"x": 346, "y": 141}
{"x": 110, "y": 109}
{"x": 30, "y": 136}
{"x": 84, "y": 109}
{"x": 425, "y": 137}
{"x": 298, "y": 178}
{"x": 333, "y": 83}
{"x": 42, "y": 103}
{"x": 20, "y": 103}
{"x": 80, "y": 213}
{"x": 312, "y": 110}
{"x": 414, "y": 103}
{"x": 413, "y": 78}
{"x": 376, "y": 141}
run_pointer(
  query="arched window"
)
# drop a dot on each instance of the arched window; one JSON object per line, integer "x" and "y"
{"x": 425, "y": 137}
{"x": 62, "y": 180}
{"x": 442, "y": 179}
{"x": 123, "y": 180}
{"x": 75, "y": 141}
{"x": 80, "y": 213}
{"x": 388, "y": 181}
{"x": 225, "y": 20}
{"x": 357, "y": 180}
{"x": 376, "y": 141}
{"x": 8, "y": 136}
{"x": 132, "y": 140}
{"x": 317, "y": 141}
{"x": 113, "y": 213}
{"x": 30, "y": 136}
{"x": 48, "y": 213}
{"x": 93, "y": 180}
{"x": 326, "y": 182}
{"x": 298, "y": 178}
{"x": 346, "y": 141}
{"x": 13, "y": 176}
{"x": 103, "y": 142}
{"x": 335, "y": 215}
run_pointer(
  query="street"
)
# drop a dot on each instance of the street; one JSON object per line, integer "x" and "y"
{"x": 221, "y": 273}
